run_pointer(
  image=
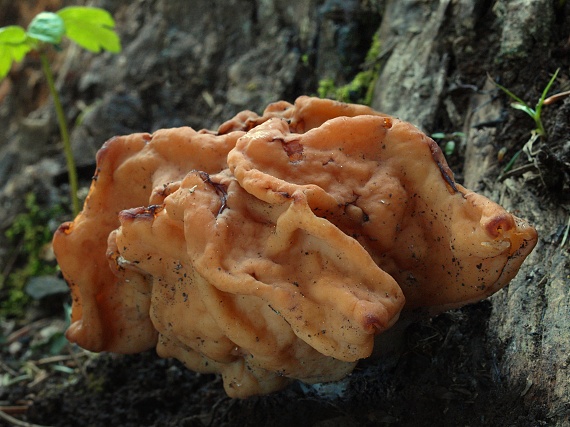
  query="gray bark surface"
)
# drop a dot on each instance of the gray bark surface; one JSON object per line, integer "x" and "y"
{"x": 530, "y": 320}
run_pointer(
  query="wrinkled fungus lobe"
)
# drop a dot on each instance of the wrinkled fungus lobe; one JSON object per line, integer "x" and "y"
{"x": 278, "y": 247}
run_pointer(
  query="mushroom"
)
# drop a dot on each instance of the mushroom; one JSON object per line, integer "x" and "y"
{"x": 280, "y": 246}
{"x": 259, "y": 292}
{"x": 385, "y": 183}
{"x": 110, "y": 307}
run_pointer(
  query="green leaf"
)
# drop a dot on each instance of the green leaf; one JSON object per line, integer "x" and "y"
{"x": 13, "y": 47}
{"x": 547, "y": 88}
{"x": 12, "y": 35}
{"x": 540, "y": 102}
{"x": 91, "y": 28}
{"x": 525, "y": 108}
{"x": 47, "y": 27}
{"x": 508, "y": 92}
{"x": 449, "y": 148}
{"x": 509, "y": 165}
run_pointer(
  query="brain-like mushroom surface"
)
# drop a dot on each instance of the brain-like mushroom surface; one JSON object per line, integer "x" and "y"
{"x": 278, "y": 247}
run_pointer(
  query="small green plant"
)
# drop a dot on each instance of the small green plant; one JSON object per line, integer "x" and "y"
{"x": 90, "y": 27}
{"x": 534, "y": 113}
{"x": 449, "y": 140}
{"x": 539, "y": 131}
{"x": 29, "y": 234}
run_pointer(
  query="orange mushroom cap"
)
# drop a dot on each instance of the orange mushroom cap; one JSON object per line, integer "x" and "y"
{"x": 278, "y": 247}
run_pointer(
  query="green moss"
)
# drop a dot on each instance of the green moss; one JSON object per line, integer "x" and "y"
{"x": 361, "y": 88}
{"x": 375, "y": 49}
{"x": 327, "y": 88}
{"x": 29, "y": 234}
{"x": 96, "y": 383}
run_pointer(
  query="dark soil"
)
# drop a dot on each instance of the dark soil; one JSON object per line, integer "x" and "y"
{"x": 443, "y": 372}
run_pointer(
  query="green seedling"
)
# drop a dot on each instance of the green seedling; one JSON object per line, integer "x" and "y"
{"x": 539, "y": 131}
{"x": 534, "y": 113}
{"x": 90, "y": 27}
{"x": 450, "y": 140}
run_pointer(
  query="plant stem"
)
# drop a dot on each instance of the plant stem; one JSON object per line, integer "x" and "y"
{"x": 71, "y": 170}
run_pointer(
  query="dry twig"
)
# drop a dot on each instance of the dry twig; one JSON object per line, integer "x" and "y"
{"x": 16, "y": 422}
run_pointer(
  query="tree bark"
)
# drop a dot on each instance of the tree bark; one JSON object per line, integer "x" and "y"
{"x": 427, "y": 45}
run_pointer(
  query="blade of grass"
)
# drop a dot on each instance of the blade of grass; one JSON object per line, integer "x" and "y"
{"x": 540, "y": 102}
{"x": 510, "y": 94}
{"x": 565, "y": 237}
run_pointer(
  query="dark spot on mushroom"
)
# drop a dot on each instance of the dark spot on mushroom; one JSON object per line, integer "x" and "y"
{"x": 292, "y": 148}
{"x": 220, "y": 189}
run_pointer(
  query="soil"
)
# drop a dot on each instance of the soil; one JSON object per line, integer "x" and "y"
{"x": 444, "y": 374}
{"x": 453, "y": 370}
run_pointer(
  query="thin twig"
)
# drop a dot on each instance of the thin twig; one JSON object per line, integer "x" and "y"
{"x": 21, "y": 409}
{"x": 517, "y": 172}
{"x": 59, "y": 358}
{"x": 8, "y": 369}
{"x": 40, "y": 377}
{"x": 16, "y": 422}
{"x": 26, "y": 330}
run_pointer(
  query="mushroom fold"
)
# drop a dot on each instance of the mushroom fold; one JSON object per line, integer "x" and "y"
{"x": 278, "y": 247}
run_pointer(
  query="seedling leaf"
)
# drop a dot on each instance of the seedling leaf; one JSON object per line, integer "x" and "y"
{"x": 12, "y": 35}
{"x": 536, "y": 112}
{"x": 524, "y": 108}
{"x": 47, "y": 27}
{"x": 540, "y": 102}
{"x": 449, "y": 148}
{"x": 91, "y": 28}
{"x": 508, "y": 92}
{"x": 511, "y": 162}
{"x": 13, "y": 47}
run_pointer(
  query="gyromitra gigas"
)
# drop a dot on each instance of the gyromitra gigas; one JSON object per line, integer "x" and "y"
{"x": 277, "y": 247}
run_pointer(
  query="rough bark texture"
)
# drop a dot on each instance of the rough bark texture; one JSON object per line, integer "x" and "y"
{"x": 503, "y": 362}
{"x": 530, "y": 319}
